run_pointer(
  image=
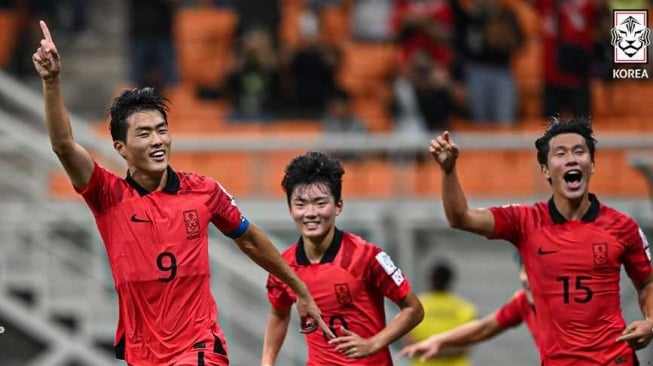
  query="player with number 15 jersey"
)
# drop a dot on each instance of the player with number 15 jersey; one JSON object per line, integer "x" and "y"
{"x": 574, "y": 272}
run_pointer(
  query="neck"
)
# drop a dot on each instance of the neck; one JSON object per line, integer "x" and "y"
{"x": 151, "y": 182}
{"x": 572, "y": 209}
{"x": 316, "y": 247}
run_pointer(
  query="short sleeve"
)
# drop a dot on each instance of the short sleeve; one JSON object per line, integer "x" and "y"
{"x": 386, "y": 276}
{"x": 98, "y": 193}
{"x": 279, "y": 295}
{"x": 637, "y": 258}
{"x": 225, "y": 214}
{"x": 510, "y": 314}
{"x": 507, "y": 222}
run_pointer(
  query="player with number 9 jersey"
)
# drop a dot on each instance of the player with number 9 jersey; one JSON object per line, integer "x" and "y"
{"x": 157, "y": 244}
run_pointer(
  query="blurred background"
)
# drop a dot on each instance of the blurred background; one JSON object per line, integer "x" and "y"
{"x": 253, "y": 83}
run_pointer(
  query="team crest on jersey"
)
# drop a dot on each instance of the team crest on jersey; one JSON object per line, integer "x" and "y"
{"x": 343, "y": 294}
{"x": 600, "y": 253}
{"x": 192, "y": 222}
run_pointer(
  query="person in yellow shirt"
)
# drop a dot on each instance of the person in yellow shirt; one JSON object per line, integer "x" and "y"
{"x": 443, "y": 310}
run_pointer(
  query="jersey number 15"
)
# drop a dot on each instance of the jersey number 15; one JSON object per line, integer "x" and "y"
{"x": 586, "y": 291}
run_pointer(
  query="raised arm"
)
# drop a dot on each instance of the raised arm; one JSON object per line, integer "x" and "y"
{"x": 275, "y": 333}
{"x": 465, "y": 335}
{"x": 256, "y": 245}
{"x": 77, "y": 162}
{"x": 459, "y": 215}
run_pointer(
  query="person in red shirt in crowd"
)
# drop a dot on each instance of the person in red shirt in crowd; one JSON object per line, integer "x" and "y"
{"x": 154, "y": 225}
{"x": 573, "y": 247}
{"x": 519, "y": 309}
{"x": 348, "y": 276}
{"x": 423, "y": 26}
{"x": 569, "y": 31}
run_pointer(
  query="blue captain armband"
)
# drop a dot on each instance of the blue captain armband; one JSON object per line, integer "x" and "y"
{"x": 240, "y": 230}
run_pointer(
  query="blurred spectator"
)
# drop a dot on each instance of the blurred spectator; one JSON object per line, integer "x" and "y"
{"x": 489, "y": 36}
{"x": 259, "y": 14}
{"x": 339, "y": 118}
{"x": 310, "y": 71}
{"x": 443, "y": 310}
{"x": 569, "y": 28}
{"x": 424, "y": 96}
{"x": 423, "y": 26}
{"x": 252, "y": 84}
{"x": 81, "y": 33}
{"x": 152, "y": 56}
{"x": 28, "y": 13}
{"x": 370, "y": 20}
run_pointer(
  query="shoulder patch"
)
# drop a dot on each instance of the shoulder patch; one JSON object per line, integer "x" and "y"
{"x": 386, "y": 262}
{"x": 398, "y": 277}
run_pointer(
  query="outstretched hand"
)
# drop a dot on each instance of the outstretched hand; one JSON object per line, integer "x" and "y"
{"x": 445, "y": 151}
{"x": 310, "y": 317}
{"x": 637, "y": 334}
{"x": 425, "y": 349}
{"x": 46, "y": 58}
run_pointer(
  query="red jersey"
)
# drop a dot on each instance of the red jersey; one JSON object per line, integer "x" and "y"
{"x": 157, "y": 245}
{"x": 438, "y": 12}
{"x": 516, "y": 311}
{"x": 348, "y": 285}
{"x": 573, "y": 269}
{"x": 573, "y": 22}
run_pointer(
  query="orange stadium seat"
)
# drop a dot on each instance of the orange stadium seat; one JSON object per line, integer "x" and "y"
{"x": 526, "y": 67}
{"x": 369, "y": 178}
{"x": 204, "y": 38}
{"x": 334, "y": 24}
{"x": 272, "y": 167}
{"x": 8, "y": 35}
{"x": 289, "y": 28}
{"x": 364, "y": 65}
{"x": 234, "y": 170}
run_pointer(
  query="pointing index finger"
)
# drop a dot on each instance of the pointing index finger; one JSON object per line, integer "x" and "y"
{"x": 45, "y": 31}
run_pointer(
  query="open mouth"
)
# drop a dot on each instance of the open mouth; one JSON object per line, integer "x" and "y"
{"x": 158, "y": 155}
{"x": 573, "y": 179}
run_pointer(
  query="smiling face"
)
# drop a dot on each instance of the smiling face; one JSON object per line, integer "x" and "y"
{"x": 147, "y": 145}
{"x": 569, "y": 166}
{"x": 314, "y": 210}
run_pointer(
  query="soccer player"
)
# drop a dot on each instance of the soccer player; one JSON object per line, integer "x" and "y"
{"x": 154, "y": 224}
{"x": 519, "y": 309}
{"x": 573, "y": 247}
{"x": 443, "y": 310}
{"x": 348, "y": 276}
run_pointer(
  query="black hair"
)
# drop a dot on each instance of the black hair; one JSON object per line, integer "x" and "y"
{"x": 131, "y": 101}
{"x": 313, "y": 167}
{"x": 442, "y": 275}
{"x": 557, "y": 126}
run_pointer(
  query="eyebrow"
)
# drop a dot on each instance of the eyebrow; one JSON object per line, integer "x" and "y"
{"x": 559, "y": 147}
{"x": 148, "y": 128}
{"x": 301, "y": 199}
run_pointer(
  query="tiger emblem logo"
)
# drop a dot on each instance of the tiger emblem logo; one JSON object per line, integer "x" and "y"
{"x": 630, "y": 36}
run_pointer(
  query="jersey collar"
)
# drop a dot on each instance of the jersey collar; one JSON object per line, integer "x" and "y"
{"x": 328, "y": 257}
{"x": 172, "y": 185}
{"x": 589, "y": 216}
